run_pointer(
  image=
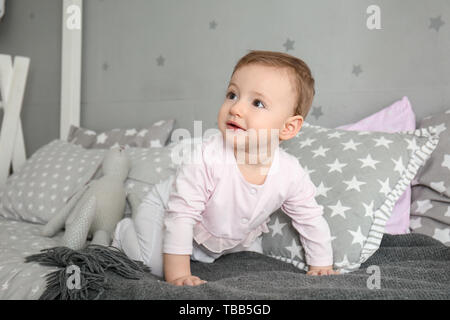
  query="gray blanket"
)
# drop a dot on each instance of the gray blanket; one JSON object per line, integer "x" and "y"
{"x": 411, "y": 266}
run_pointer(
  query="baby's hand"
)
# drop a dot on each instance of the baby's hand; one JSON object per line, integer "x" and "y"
{"x": 321, "y": 271}
{"x": 188, "y": 280}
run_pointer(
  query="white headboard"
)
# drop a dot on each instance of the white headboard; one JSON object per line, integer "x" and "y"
{"x": 72, "y": 27}
{"x": 13, "y": 78}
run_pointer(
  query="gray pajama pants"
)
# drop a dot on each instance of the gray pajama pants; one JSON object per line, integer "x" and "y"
{"x": 141, "y": 237}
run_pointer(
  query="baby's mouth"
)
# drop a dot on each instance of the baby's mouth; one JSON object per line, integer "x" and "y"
{"x": 233, "y": 126}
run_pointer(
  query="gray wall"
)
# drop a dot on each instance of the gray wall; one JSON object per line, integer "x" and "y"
{"x": 124, "y": 84}
{"x": 32, "y": 28}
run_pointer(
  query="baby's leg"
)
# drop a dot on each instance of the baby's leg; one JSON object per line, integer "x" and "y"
{"x": 141, "y": 238}
{"x": 125, "y": 239}
{"x": 149, "y": 224}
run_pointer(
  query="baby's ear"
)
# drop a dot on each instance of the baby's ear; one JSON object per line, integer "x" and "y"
{"x": 291, "y": 127}
{"x": 300, "y": 120}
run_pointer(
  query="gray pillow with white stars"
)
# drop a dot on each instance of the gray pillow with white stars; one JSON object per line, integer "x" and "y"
{"x": 359, "y": 175}
{"x": 47, "y": 181}
{"x": 430, "y": 207}
{"x": 155, "y": 136}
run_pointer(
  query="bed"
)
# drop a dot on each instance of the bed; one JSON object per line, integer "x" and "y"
{"x": 20, "y": 280}
{"x": 411, "y": 266}
{"x": 406, "y": 266}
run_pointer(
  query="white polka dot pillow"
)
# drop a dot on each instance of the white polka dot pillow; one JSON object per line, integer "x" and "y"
{"x": 358, "y": 177}
{"x": 47, "y": 180}
{"x": 430, "y": 207}
{"x": 155, "y": 136}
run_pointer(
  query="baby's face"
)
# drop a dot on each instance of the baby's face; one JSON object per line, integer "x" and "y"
{"x": 261, "y": 98}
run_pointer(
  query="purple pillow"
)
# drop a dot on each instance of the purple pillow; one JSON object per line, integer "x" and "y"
{"x": 397, "y": 117}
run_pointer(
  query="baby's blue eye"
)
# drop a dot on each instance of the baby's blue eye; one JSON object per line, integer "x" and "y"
{"x": 231, "y": 95}
{"x": 258, "y": 103}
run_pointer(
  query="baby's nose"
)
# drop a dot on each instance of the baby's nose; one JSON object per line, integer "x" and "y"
{"x": 238, "y": 109}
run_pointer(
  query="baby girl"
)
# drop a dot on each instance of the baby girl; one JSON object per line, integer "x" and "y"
{"x": 222, "y": 202}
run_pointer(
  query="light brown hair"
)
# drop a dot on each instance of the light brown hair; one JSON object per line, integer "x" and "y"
{"x": 300, "y": 70}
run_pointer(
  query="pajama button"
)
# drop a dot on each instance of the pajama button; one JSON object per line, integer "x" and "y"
{"x": 253, "y": 191}
{"x": 244, "y": 220}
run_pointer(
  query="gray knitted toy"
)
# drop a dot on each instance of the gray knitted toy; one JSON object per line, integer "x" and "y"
{"x": 100, "y": 206}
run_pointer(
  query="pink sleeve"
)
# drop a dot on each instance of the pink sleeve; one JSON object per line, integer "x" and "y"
{"x": 190, "y": 192}
{"x": 307, "y": 219}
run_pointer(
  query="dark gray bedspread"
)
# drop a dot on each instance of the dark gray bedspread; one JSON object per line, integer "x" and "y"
{"x": 412, "y": 266}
